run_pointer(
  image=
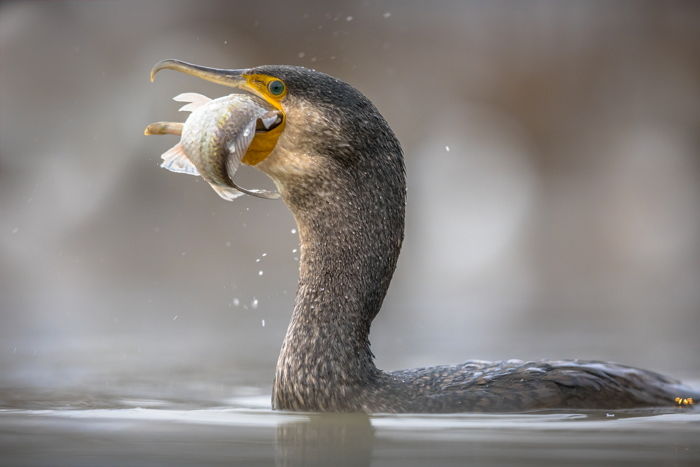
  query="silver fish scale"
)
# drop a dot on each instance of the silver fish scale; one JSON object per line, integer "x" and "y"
{"x": 216, "y": 135}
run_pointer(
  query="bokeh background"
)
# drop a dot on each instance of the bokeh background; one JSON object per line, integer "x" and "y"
{"x": 553, "y": 157}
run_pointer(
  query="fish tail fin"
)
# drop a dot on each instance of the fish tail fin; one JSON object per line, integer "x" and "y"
{"x": 175, "y": 160}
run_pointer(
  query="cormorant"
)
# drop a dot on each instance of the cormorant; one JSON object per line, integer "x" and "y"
{"x": 339, "y": 168}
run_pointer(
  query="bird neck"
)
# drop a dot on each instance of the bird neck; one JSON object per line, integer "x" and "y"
{"x": 350, "y": 235}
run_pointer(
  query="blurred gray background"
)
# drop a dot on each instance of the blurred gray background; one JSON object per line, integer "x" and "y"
{"x": 553, "y": 157}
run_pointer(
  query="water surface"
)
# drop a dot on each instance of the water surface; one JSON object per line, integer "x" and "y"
{"x": 108, "y": 430}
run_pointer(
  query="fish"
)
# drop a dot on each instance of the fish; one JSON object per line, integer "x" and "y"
{"x": 215, "y": 138}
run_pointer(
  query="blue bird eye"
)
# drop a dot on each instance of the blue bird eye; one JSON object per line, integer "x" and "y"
{"x": 276, "y": 87}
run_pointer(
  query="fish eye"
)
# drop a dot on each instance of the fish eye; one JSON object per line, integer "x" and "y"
{"x": 276, "y": 87}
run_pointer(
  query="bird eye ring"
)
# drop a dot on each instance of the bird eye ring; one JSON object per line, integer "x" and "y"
{"x": 276, "y": 87}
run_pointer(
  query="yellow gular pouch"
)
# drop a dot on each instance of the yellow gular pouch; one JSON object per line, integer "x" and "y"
{"x": 273, "y": 90}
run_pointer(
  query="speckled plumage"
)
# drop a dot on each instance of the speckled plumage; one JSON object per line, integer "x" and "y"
{"x": 340, "y": 170}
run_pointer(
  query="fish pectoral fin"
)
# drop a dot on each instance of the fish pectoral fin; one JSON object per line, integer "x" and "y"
{"x": 175, "y": 160}
{"x": 238, "y": 146}
{"x": 193, "y": 99}
{"x": 227, "y": 193}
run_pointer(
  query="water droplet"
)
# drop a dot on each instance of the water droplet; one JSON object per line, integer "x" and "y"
{"x": 260, "y": 273}
{"x": 262, "y": 322}
{"x": 447, "y": 148}
{"x": 225, "y": 42}
{"x": 387, "y": 14}
{"x": 264, "y": 254}
{"x": 294, "y": 250}
{"x": 301, "y": 55}
{"x": 349, "y": 18}
{"x": 294, "y": 231}
{"x": 257, "y": 260}
{"x": 236, "y": 302}
{"x": 175, "y": 317}
{"x": 254, "y": 303}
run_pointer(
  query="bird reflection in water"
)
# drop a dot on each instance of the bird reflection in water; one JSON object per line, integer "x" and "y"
{"x": 325, "y": 439}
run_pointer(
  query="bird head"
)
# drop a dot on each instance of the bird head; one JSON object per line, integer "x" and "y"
{"x": 329, "y": 132}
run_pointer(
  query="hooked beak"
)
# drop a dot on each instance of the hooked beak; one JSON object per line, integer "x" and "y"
{"x": 231, "y": 78}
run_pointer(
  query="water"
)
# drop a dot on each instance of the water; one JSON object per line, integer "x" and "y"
{"x": 101, "y": 429}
